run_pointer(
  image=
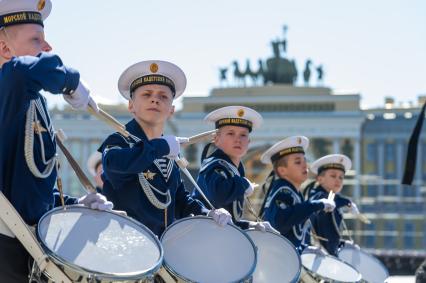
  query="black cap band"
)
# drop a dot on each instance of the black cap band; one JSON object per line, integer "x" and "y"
{"x": 152, "y": 79}
{"x": 17, "y": 18}
{"x": 337, "y": 166}
{"x": 234, "y": 122}
{"x": 287, "y": 151}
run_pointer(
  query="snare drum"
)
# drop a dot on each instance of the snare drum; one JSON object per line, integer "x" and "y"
{"x": 319, "y": 267}
{"x": 277, "y": 258}
{"x": 99, "y": 246}
{"x": 371, "y": 269}
{"x": 197, "y": 249}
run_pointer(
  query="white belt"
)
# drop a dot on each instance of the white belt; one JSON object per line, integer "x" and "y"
{"x": 5, "y": 230}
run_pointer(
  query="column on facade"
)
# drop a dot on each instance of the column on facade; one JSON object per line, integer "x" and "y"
{"x": 357, "y": 167}
{"x": 400, "y": 162}
{"x": 419, "y": 169}
{"x": 336, "y": 145}
{"x": 380, "y": 167}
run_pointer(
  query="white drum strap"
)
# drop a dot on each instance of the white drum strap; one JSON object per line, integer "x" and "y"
{"x": 148, "y": 188}
{"x": 18, "y": 227}
{"x": 31, "y": 122}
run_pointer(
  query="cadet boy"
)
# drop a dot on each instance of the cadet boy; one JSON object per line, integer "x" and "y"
{"x": 285, "y": 207}
{"x": 222, "y": 177}
{"x": 330, "y": 171}
{"x": 28, "y": 158}
{"x": 140, "y": 173}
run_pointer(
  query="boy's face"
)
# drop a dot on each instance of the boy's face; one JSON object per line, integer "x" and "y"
{"x": 296, "y": 170}
{"x": 233, "y": 140}
{"x": 21, "y": 40}
{"x": 152, "y": 104}
{"x": 332, "y": 180}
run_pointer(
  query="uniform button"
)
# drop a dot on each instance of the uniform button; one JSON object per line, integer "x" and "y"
{"x": 64, "y": 89}
{"x": 71, "y": 91}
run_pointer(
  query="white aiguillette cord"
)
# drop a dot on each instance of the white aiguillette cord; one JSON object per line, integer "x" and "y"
{"x": 23, "y": 233}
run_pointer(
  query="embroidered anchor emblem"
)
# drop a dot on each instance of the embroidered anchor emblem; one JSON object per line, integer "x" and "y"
{"x": 149, "y": 175}
{"x": 38, "y": 128}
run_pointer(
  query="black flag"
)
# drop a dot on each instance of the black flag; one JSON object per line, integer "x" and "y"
{"x": 410, "y": 163}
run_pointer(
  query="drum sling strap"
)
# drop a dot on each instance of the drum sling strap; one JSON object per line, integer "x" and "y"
{"x": 16, "y": 224}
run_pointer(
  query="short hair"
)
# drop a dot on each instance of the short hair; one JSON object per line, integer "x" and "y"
{"x": 283, "y": 161}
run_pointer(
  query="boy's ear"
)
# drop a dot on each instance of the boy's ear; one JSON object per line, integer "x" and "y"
{"x": 5, "y": 51}
{"x": 281, "y": 170}
{"x": 172, "y": 111}
{"x": 130, "y": 106}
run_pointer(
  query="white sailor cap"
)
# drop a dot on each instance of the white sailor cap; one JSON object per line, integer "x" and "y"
{"x": 14, "y": 12}
{"x": 93, "y": 162}
{"x": 152, "y": 72}
{"x": 331, "y": 161}
{"x": 235, "y": 116}
{"x": 294, "y": 144}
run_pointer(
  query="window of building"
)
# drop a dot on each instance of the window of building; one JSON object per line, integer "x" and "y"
{"x": 370, "y": 238}
{"x": 389, "y": 240}
{"x": 409, "y": 234}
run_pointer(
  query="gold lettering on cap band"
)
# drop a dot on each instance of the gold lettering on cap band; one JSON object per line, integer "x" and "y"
{"x": 287, "y": 151}
{"x": 152, "y": 79}
{"x": 21, "y": 18}
{"x": 337, "y": 166}
{"x": 234, "y": 122}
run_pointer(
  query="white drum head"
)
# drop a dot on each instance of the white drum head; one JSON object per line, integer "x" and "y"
{"x": 197, "y": 249}
{"x": 277, "y": 258}
{"x": 99, "y": 242}
{"x": 371, "y": 269}
{"x": 328, "y": 267}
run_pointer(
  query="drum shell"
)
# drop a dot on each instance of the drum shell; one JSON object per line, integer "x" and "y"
{"x": 279, "y": 242}
{"x": 364, "y": 263}
{"x": 309, "y": 275}
{"x": 246, "y": 278}
{"x": 78, "y": 273}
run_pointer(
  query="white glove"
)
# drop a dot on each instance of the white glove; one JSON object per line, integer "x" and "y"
{"x": 353, "y": 209}
{"x": 96, "y": 201}
{"x": 249, "y": 191}
{"x": 329, "y": 204}
{"x": 315, "y": 250}
{"x": 264, "y": 226}
{"x": 80, "y": 99}
{"x": 174, "y": 144}
{"x": 221, "y": 216}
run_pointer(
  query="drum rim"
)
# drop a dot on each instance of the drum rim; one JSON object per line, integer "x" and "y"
{"x": 174, "y": 273}
{"x": 333, "y": 280}
{"x": 296, "y": 279}
{"x": 103, "y": 275}
{"x": 367, "y": 254}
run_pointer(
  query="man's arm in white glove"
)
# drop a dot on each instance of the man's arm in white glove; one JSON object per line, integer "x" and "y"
{"x": 329, "y": 204}
{"x": 174, "y": 145}
{"x": 264, "y": 226}
{"x": 353, "y": 208}
{"x": 250, "y": 189}
{"x": 221, "y": 216}
{"x": 80, "y": 99}
{"x": 96, "y": 201}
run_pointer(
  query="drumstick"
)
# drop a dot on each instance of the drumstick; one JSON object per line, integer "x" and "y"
{"x": 364, "y": 219}
{"x": 182, "y": 163}
{"x": 209, "y": 135}
{"x": 60, "y": 137}
{"x": 102, "y": 115}
{"x": 331, "y": 195}
{"x": 251, "y": 209}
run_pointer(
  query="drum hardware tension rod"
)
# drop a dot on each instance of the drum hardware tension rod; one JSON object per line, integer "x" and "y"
{"x": 182, "y": 163}
{"x": 60, "y": 137}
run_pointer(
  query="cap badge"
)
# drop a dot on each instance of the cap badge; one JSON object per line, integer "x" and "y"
{"x": 240, "y": 113}
{"x": 153, "y": 68}
{"x": 341, "y": 160}
{"x": 41, "y": 4}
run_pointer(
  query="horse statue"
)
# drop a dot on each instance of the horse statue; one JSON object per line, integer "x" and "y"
{"x": 238, "y": 75}
{"x": 320, "y": 74}
{"x": 307, "y": 72}
{"x": 222, "y": 75}
{"x": 250, "y": 73}
{"x": 279, "y": 69}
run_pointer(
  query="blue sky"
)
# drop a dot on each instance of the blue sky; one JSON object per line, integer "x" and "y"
{"x": 377, "y": 48}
